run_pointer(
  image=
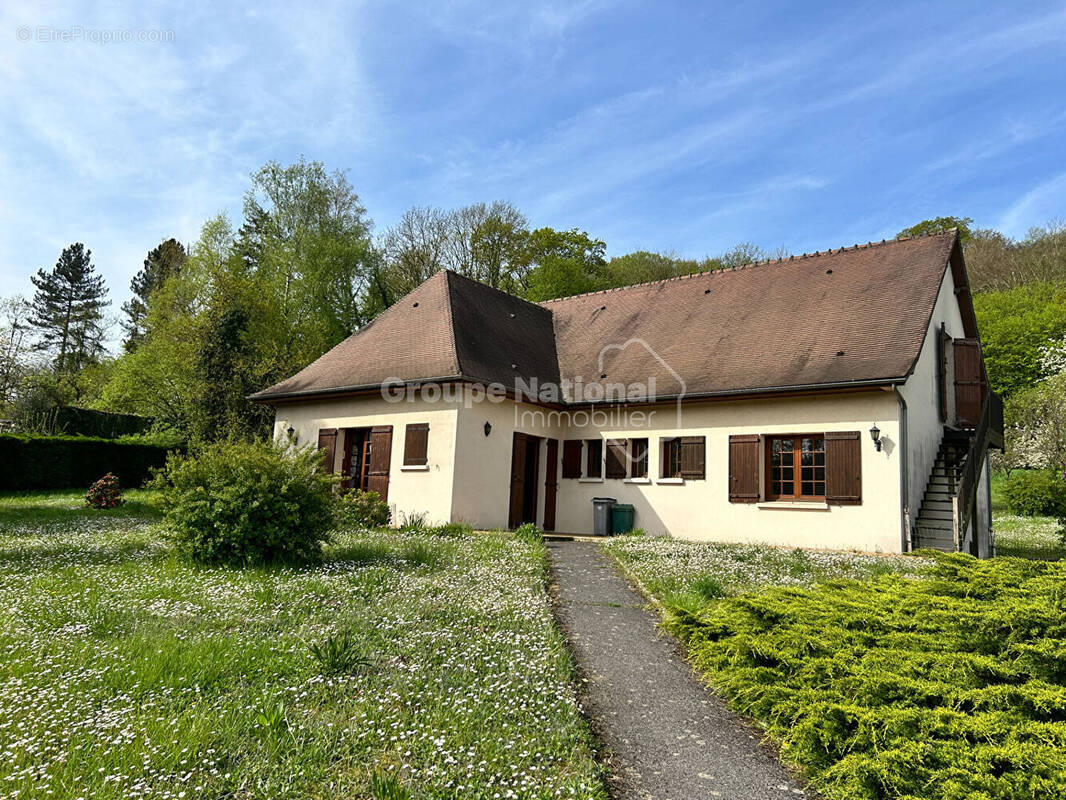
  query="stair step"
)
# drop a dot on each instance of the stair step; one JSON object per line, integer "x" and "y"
{"x": 932, "y": 515}
{"x": 936, "y": 527}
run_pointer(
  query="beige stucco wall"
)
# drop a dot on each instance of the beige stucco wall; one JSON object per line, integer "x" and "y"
{"x": 924, "y": 426}
{"x": 411, "y": 491}
{"x": 697, "y": 509}
{"x": 925, "y": 429}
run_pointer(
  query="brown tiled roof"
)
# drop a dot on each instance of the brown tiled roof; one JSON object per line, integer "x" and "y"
{"x": 851, "y": 316}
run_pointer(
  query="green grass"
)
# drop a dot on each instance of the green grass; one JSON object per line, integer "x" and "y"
{"x": 1023, "y": 537}
{"x": 402, "y": 665}
{"x": 690, "y": 573}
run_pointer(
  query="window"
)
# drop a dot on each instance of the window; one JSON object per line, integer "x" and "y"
{"x": 594, "y": 458}
{"x": 682, "y": 457}
{"x": 572, "y": 458}
{"x": 638, "y": 458}
{"x": 616, "y": 458}
{"x": 795, "y": 467}
{"x": 670, "y": 456}
{"x": 415, "y": 445}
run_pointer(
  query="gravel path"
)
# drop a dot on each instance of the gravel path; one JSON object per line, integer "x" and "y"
{"x": 667, "y": 737}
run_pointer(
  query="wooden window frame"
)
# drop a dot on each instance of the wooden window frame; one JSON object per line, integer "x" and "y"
{"x": 594, "y": 466}
{"x": 638, "y": 461}
{"x": 666, "y": 443}
{"x": 414, "y": 459}
{"x": 797, "y": 482}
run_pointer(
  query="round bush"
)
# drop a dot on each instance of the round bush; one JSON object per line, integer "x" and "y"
{"x": 362, "y": 509}
{"x": 240, "y": 503}
{"x": 1035, "y": 493}
{"x": 105, "y": 493}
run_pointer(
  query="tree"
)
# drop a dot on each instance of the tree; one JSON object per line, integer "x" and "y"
{"x": 643, "y": 266}
{"x": 68, "y": 309}
{"x": 939, "y": 225}
{"x": 564, "y": 263}
{"x": 14, "y": 346}
{"x": 162, "y": 262}
{"x": 313, "y": 257}
{"x": 1016, "y": 326}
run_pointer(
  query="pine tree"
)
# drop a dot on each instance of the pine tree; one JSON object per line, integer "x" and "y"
{"x": 68, "y": 309}
{"x": 165, "y": 260}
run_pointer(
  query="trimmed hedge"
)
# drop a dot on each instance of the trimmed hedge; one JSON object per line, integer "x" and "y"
{"x": 66, "y": 462}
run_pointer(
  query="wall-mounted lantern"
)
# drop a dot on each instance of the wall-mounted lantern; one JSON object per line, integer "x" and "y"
{"x": 290, "y": 430}
{"x": 488, "y": 427}
{"x": 875, "y": 434}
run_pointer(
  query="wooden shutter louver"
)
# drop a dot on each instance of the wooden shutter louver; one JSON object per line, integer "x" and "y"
{"x": 572, "y": 458}
{"x": 843, "y": 468}
{"x": 616, "y": 458}
{"x": 380, "y": 455}
{"x": 969, "y": 382}
{"x": 693, "y": 458}
{"x": 638, "y": 458}
{"x": 327, "y": 443}
{"x": 594, "y": 461}
{"x": 744, "y": 468}
{"x": 416, "y": 445}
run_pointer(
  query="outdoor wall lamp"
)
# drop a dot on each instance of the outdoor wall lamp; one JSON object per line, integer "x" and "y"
{"x": 290, "y": 430}
{"x": 488, "y": 427}
{"x": 875, "y": 434}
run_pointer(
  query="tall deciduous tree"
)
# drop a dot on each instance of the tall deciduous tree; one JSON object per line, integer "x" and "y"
{"x": 14, "y": 346}
{"x": 162, "y": 262}
{"x": 68, "y": 309}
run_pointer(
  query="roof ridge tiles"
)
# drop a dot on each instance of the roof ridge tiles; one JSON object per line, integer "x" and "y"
{"x": 714, "y": 272}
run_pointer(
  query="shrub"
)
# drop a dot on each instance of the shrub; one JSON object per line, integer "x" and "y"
{"x": 105, "y": 493}
{"x": 529, "y": 533}
{"x": 362, "y": 509}
{"x": 959, "y": 696}
{"x": 241, "y": 503}
{"x": 1040, "y": 492}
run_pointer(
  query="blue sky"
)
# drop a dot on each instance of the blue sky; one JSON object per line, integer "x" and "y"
{"x": 664, "y": 126}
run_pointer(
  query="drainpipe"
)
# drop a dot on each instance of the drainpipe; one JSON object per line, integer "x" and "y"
{"x": 903, "y": 477}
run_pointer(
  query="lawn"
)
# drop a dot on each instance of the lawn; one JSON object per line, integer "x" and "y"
{"x": 402, "y": 665}
{"x": 1024, "y": 537}
{"x": 879, "y": 677}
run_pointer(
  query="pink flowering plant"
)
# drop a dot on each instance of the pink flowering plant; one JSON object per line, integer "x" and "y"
{"x": 105, "y": 493}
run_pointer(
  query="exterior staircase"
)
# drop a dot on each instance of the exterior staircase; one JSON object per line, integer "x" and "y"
{"x": 935, "y": 526}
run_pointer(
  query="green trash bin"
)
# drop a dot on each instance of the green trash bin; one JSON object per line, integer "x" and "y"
{"x": 621, "y": 518}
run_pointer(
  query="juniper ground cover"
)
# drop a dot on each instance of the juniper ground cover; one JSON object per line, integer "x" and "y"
{"x": 941, "y": 677}
{"x": 402, "y": 665}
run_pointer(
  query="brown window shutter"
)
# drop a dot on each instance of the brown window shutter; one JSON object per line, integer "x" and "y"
{"x": 969, "y": 382}
{"x": 638, "y": 463}
{"x": 693, "y": 458}
{"x": 380, "y": 456}
{"x": 572, "y": 458}
{"x": 744, "y": 468}
{"x": 843, "y": 468}
{"x": 594, "y": 459}
{"x": 616, "y": 458}
{"x": 327, "y": 443}
{"x": 415, "y": 444}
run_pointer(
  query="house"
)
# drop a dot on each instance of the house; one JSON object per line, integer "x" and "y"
{"x": 835, "y": 400}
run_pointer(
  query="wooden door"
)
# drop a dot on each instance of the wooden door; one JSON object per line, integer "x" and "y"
{"x": 519, "y": 444}
{"x": 380, "y": 441}
{"x": 969, "y": 382}
{"x": 551, "y": 483}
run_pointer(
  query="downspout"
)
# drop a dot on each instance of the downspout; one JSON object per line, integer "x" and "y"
{"x": 904, "y": 490}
